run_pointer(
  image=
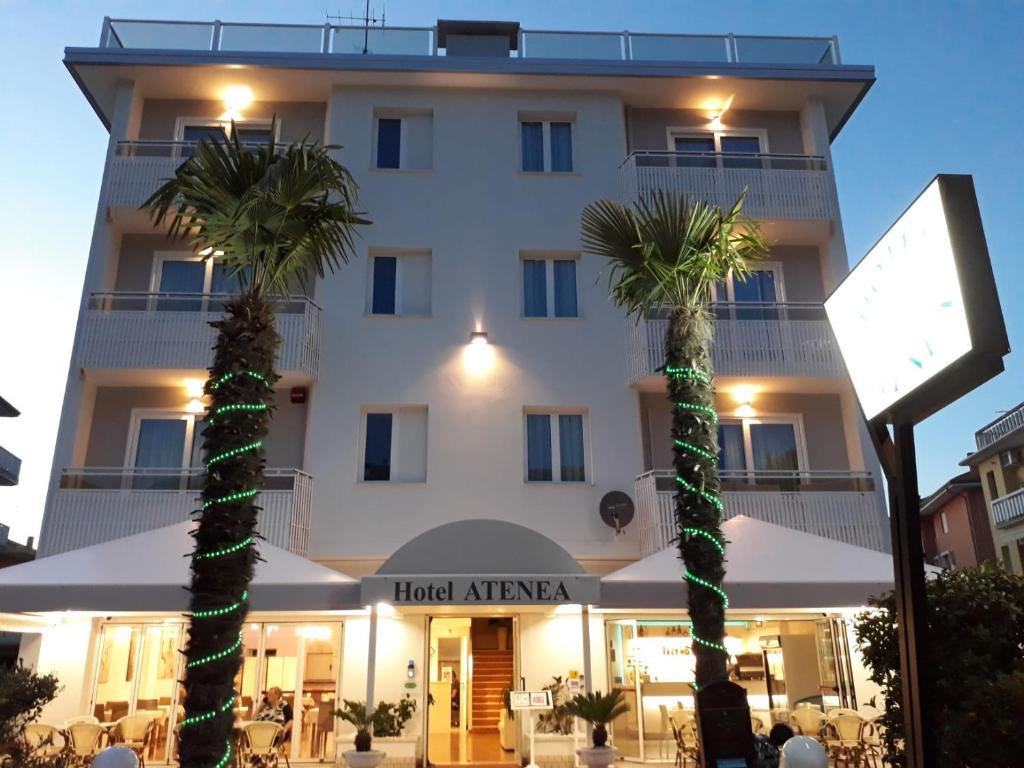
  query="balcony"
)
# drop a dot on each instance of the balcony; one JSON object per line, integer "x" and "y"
{"x": 751, "y": 339}
{"x": 423, "y": 41}
{"x": 837, "y": 504}
{"x": 1009, "y": 510}
{"x": 138, "y": 168}
{"x": 794, "y": 187}
{"x": 1006, "y": 424}
{"x": 10, "y": 467}
{"x": 171, "y": 331}
{"x": 96, "y": 504}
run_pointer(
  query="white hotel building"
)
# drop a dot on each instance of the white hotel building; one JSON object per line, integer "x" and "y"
{"x": 401, "y": 453}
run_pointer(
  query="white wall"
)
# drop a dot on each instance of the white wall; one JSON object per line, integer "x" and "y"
{"x": 66, "y": 650}
{"x": 475, "y": 212}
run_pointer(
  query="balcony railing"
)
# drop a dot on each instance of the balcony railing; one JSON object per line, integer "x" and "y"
{"x": 751, "y": 339}
{"x": 97, "y": 504}
{"x": 422, "y": 41}
{"x": 995, "y": 430}
{"x": 138, "y": 168}
{"x": 172, "y": 331}
{"x": 835, "y": 504}
{"x": 778, "y": 186}
{"x": 1009, "y": 509}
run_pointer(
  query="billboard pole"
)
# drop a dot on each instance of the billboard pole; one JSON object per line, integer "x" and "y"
{"x": 911, "y": 606}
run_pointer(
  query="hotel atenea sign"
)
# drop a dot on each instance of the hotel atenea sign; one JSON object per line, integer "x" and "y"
{"x": 500, "y": 589}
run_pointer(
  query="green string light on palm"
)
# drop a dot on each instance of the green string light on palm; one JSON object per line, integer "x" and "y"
{"x": 695, "y": 374}
{"x": 239, "y": 453}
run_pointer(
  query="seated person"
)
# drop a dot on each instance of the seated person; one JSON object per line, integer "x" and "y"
{"x": 274, "y": 708}
{"x": 768, "y": 748}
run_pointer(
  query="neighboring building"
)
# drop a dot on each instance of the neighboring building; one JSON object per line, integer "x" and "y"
{"x": 415, "y": 455}
{"x": 955, "y": 526}
{"x": 12, "y": 553}
{"x": 10, "y": 465}
{"x": 999, "y": 462}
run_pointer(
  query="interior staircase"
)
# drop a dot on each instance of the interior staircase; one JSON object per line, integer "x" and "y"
{"x": 492, "y": 673}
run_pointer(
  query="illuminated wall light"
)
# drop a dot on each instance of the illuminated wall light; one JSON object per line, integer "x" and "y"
{"x": 744, "y": 395}
{"x": 236, "y": 98}
{"x": 315, "y": 632}
{"x": 478, "y": 356}
{"x": 385, "y": 609}
{"x": 195, "y": 405}
{"x": 193, "y": 387}
{"x": 209, "y": 250}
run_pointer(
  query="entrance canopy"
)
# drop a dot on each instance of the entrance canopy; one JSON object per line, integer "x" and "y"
{"x": 485, "y": 562}
{"x": 148, "y": 572}
{"x": 768, "y": 567}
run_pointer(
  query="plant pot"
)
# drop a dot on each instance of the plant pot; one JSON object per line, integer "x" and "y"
{"x": 371, "y": 759}
{"x": 506, "y": 732}
{"x": 597, "y": 757}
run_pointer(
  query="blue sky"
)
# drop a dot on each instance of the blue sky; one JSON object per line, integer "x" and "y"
{"x": 948, "y": 99}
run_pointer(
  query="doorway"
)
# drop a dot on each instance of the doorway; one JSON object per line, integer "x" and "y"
{"x": 472, "y": 662}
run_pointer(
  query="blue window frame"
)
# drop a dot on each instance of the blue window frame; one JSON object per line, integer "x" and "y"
{"x": 377, "y": 451}
{"x": 385, "y": 270}
{"x": 570, "y": 447}
{"x": 535, "y": 288}
{"x": 389, "y": 142}
{"x": 565, "y": 288}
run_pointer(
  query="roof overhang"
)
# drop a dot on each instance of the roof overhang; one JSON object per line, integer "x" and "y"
{"x": 311, "y": 77}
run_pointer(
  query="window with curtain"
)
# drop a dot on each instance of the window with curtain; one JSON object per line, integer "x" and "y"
{"x": 253, "y": 135}
{"x": 696, "y": 145}
{"x": 740, "y": 145}
{"x": 570, "y": 442}
{"x": 565, "y": 287}
{"x": 535, "y": 289}
{"x": 538, "y": 447}
{"x": 193, "y": 134}
{"x": 549, "y": 288}
{"x": 389, "y": 142}
{"x": 159, "y": 444}
{"x": 385, "y": 271}
{"x": 533, "y": 146}
{"x": 227, "y": 279}
{"x": 561, "y": 147}
{"x": 731, "y": 452}
{"x": 181, "y": 277}
{"x": 773, "y": 446}
{"x": 377, "y": 447}
{"x": 759, "y": 287}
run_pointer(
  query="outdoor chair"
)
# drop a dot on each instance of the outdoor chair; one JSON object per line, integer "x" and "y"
{"x": 843, "y": 739}
{"x": 756, "y": 724}
{"x": 667, "y": 731}
{"x": 84, "y": 741}
{"x": 261, "y": 744}
{"x": 134, "y": 732}
{"x": 81, "y": 719}
{"x": 116, "y": 757}
{"x": 871, "y": 738}
{"x": 44, "y": 740}
{"x": 807, "y": 722}
{"x": 687, "y": 748}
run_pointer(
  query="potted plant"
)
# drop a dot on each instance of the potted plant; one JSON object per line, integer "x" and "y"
{"x": 598, "y": 709}
{"x": 363, "y": 756}
{"x": 507, "y": 722}
{"x": 555, "y": 741}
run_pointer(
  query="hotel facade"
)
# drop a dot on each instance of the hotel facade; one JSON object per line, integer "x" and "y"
{"x": 433, "y": 508}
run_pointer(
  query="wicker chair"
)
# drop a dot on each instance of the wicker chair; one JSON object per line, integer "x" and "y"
{"x": 844, "y": 739}
{"x": 44, "y": 740}
{"x": 807, "y": 721}
{"x": 687, "y": 748}
{"x": 85, "y": 740}
{"x": 261, "y": 744}
{"x": 135, "y": 733}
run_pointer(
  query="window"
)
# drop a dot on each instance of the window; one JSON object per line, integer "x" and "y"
{"x": 944, "y": 521}
{"x": 160, "y": 441}
{"x": 772, "y": 446}
{"x": 399, "y": 283}
{"x": 1007, "y": 562}
{"x": 717, "y": 149}
{"x": 555, "y": 447}
{"x": 945, "y": 560}
{"x": 993, "y": 489}
{"x": 546, "y": 145}
{"x": 394, "y": 445}
{"x": 762, "y": 289}
{"x": 185, "y": 273}
{"x": 193, "y": 130}
{"x": 549, "y": 287}
{"x": 404, "y": 139}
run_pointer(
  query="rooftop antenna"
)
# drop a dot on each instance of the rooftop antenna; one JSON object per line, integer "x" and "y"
{"x": 366, "y": 19}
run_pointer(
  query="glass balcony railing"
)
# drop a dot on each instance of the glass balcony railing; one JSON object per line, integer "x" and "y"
{"x": 422, "y": 41}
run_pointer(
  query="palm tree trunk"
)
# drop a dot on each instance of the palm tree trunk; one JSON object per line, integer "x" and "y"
{"x": 240, "y": 388}
{"x": 697, "y": 501}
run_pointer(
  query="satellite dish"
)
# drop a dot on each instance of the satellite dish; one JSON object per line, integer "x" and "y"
{"x": 616, "y": 510}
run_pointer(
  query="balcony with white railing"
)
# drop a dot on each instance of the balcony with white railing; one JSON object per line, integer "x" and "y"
{"x": 796, "y": 187}
{"x": 171, "y": 331}
{"x": 751, "y": 339}
{"x": 1008, "y": 423}
{"x": 1009, "y": 510}
{"x": 343, "y": 40}
{"x": 96, "y": 504}
{"x": 138, "y": 168}
{"x": 835, "y": 504}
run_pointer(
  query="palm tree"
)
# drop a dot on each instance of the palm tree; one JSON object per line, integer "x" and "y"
{"x": 667, "y": 253}
{"x": 275, "y": 217}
